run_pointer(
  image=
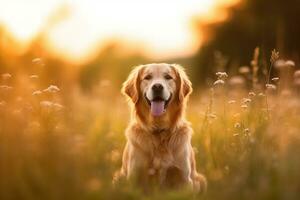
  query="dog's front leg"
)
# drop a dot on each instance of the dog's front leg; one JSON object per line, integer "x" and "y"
{"x": 137, "y": 165}
{"x": 184, "y": 164}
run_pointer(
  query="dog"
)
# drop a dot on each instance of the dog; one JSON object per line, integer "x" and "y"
{"x": 158, "y": 147}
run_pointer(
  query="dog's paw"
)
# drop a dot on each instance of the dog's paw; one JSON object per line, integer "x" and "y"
{"x": 199, "y": 184}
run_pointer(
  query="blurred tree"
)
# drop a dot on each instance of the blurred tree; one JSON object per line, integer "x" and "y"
{"x": 268, "y": 24}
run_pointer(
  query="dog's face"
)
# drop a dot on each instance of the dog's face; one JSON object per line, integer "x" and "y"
{"x": 157, "y": 86}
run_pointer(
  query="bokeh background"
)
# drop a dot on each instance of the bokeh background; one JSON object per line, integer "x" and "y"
{"x": 62, "y": 116}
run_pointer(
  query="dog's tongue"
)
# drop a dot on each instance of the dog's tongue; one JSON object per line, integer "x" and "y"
{"x": 157, "y": 108}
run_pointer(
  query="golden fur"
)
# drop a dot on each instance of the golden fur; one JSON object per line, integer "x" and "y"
{"x": 159, "y": 149}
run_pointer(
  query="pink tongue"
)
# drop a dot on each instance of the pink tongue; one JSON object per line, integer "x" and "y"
{"x": 157, "y": 107}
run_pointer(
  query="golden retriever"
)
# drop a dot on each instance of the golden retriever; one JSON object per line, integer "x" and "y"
{"x": 159, "y": 137}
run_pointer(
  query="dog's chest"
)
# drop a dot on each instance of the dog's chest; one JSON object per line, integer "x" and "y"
{"x": 162, "y": 155}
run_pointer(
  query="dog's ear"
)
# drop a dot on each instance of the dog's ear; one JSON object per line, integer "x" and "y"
{"x": 131, "y": 85}
{"x": 184, "y": 84}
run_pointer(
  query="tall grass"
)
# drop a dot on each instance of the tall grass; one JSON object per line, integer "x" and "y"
{"x": 59, "y": 143}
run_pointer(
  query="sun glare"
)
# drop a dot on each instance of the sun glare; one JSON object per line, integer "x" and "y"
{"x": 161, "y": 28}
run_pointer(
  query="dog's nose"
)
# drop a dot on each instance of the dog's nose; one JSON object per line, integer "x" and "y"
{"x": 157, "y": 88}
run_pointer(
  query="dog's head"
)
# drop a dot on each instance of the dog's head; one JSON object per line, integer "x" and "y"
{"x": 157, "y": 87}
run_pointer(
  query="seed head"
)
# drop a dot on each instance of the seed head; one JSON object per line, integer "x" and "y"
{"x": 274, "y": 56}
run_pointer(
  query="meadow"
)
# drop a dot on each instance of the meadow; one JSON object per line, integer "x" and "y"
{"x": 57, "y": 142}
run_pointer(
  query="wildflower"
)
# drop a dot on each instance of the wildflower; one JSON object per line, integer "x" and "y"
{"x": 219, "y": 82}
{"x": 246, "y": 100}
{"x": 6, "y": 76}
{"x": 52, "y": 89}
{"x": 222, "y": 75}
{"x": 51, "y": 105}
{"x": 5, "y": 87}
{"x": 237, "y": 125}
{"x": 38, "y": 61}
{"x": 275, "y": 79}
{"x": 271, "y": 86}
{"x": 244, "y": 70}
{"x": 244, "y": 106}
{"x": 246, "y": 131}
{"x": 36, "y": 93}
{"x": 251, "y": 94}
{"x": 212, "y": 116}
{"x": 290, "y": 63}
{"x": 231, "y": 101}
{"x": 46, "y": 104}
{"x": 34, "y": 76}
{"x": 261, "y": 94}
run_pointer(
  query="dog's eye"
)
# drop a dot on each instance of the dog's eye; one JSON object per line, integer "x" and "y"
{"x": 148, "y": 77}
{"x": 168, "y": 77}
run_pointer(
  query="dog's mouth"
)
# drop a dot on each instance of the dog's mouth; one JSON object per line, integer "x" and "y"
{"x": 158, "y": 105}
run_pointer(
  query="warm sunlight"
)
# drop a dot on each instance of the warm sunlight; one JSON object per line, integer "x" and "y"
{"x": 162, "y": 29}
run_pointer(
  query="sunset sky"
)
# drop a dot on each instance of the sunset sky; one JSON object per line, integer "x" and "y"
{"x": 161, "y": 28}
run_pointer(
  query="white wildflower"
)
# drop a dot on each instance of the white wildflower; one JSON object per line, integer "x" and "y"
{"x": 246, "y": 100}
{"x": 51, "y": 105}
{"x": 222, "y": 75}
{"x": 219, "y": 82}
{"x": 261, "y": 94}
{"x": 212, "y": 116}
{"x": 275, "y": 79}
{"x": 271, "y": 86}
{"x": 244, "y": 106}
{"x": 237, "y": 125}
{"x": 46, "y": 104}
{"x": 252, "y": 94}
{"x": 38, "y": 61}
{"x": 33, "y": 76}
{"x": 52, "y": 89}
{"x": 231, "y": 101}
{"x": 36, "y": 93}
